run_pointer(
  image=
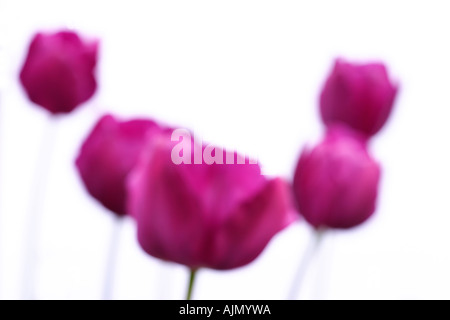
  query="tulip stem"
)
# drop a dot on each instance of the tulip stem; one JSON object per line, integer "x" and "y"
{"x": 193, "y": 273}
{"x": 36, "y": 205}
{"x": 111, "y": 262}
{"x": 310, "y": 252}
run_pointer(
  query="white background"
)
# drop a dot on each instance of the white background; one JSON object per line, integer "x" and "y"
{"x": 243, "y": 74}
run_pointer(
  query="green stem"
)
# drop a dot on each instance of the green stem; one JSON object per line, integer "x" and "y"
{"x": 191, "y": 284}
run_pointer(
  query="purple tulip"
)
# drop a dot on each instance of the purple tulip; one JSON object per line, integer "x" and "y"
{"x": 58, "y": 73}
{"x": 360, "y": 96}
{"x": 219, "y": 216}
{"x": 107, "y": 156}
{"x": 335, "y": 183}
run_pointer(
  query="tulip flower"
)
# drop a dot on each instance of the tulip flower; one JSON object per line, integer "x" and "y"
{"x": 107, "y": 156}
{"x": 336, "y": 183}
{"x": 335, "y": 186}
{"x": 218, "y": 216}
{"x": 358, "y": 95}
{"x": 58, "y": 73}
{"x": 105, "y": 159}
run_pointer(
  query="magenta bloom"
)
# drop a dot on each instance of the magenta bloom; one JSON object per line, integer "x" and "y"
{"x": 360, "y": 96}
{"x": 107, "y": 156}
{"x": 218, "y": 216}
{"x": 335, "y": 183}
{"x": 58, "y": 73}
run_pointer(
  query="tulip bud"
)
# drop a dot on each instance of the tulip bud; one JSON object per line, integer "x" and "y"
{"x": 360, "y": 96}
{"x": 107, "y": 156}
{"x": 58, "y": 73}
{"x": 335, "y": 183}
{"x": 218, "y": 216}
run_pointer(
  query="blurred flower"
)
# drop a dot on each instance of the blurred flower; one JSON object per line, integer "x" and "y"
{"x": 107, "y": 156}
{"x": 58, "y": 73}
{"x": 335, "y": 183}
{"x": 360, "y": 96}
{"x": 218, "y": 216}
